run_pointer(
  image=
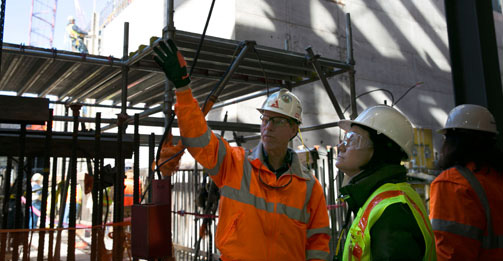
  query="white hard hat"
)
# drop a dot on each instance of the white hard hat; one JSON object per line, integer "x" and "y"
{"x": 470, "y": 117}
{"x": 388, "y": 121}
{"x": 70, "y": 18}
{"x": 36, "y": 177}
{"x": 283, "y": 102}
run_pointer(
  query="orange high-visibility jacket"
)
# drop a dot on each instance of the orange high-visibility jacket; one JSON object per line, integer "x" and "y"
{"x": 458, "y": 217}
{"x": 257, "y": 222}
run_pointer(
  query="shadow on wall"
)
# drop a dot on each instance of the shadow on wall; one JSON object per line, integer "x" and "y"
{"x": 395, "y": 46}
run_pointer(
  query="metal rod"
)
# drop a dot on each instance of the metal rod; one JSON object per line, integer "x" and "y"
{"x": 350, "y": 61}
{"x": 2, "y": 20}
{"x": 53, "y": 206}
{"x": 6, "y": 199}
{"x": 314, "y": 61}
{"x": 118, "y": 248}
{"x": 331, "y": 193}
{"x": 45, "y": 186}
{"x": 73, "y": 183}
{"x": 96, "y": 188}
{"x": 304, "y": 129}
{"x": 142, "y": 115}
{"x": 5, "y": 208}
{"x": 136, "y": 169}
{"x": 61, "y": 55}
{"x": 248, "y": 97}
{"x": 151, "y": 157}
{"x": 230, "y": 71}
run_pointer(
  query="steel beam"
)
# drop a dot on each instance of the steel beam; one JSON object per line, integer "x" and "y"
{"x": 474, "y": 56}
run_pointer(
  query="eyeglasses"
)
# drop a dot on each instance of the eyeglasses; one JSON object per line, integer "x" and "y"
{"x": 355, "y": 141}
{"x": 276, "y": 121}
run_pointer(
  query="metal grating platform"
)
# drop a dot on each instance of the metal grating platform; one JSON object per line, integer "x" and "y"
{"x": 74, "y": 77}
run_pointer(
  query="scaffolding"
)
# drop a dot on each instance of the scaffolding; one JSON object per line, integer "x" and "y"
{"x": 245, "y": 69}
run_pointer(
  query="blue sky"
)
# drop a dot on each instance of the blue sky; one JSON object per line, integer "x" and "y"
{"x": 17, "y": 19}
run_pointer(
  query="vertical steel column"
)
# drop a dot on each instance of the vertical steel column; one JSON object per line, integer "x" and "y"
{"x": 63, "y": 186}
{"x": 5, "y": 208}
{"x": 2, "y": 19}
{"x": 168, "y": 104}
{"x": 96, "y": 188}
{"x": 331, "y": 196}
{"x": 19, "y": 191}
{"x": 53, "y": 206}
{"x": 350, "y": 61}
{"x": 73, "y": 184}
{"x": 6, "y": 195}
{"x": 474, "y": 56}
{"x": 136, "y": 167}
{"x": 27, "y": 206}
{"x": 151, "y": 158}
{"x": 45, "y": 186}
{"x": 118, "y": 247}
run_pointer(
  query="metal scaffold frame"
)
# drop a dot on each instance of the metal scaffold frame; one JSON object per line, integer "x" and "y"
{"x": 247, "y": 71}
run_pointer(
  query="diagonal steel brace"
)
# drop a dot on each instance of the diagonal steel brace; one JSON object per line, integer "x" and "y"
{"x": 313, "y": 59}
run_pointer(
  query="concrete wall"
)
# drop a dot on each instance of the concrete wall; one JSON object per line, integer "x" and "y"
{"x": 396, "y": 45}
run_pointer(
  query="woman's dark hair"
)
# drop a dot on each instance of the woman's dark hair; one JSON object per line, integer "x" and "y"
{"x": 386, "y": 151}
{"x": 462, "y": 146}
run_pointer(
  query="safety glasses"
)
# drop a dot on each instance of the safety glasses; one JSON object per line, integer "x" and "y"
{"x": 355, "y": 141}
{"x": 276, "y": 121}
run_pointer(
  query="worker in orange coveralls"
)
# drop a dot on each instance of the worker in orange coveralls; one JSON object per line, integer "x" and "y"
{"x": 466, "y": 202}
{"x": 271, "y": 208}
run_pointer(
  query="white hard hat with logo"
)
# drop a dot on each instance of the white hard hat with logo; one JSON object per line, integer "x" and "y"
{"x": 470, "y": 117}
{"x": 283, "y": 102}
{"x": 388, "y": 121}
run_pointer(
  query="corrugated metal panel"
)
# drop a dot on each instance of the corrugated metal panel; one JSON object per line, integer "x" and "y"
{"x": 74, "y": 77}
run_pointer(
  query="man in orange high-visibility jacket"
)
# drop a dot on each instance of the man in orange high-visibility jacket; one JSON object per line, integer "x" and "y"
{"x": 271, "y": 208}
{"x": 466, "y": 202}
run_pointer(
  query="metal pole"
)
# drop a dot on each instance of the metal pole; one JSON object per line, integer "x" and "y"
{"x": 168, "y": 103}
{"x": 136, "y": 169}
{"x": 118, "y": 248}
{"x": 45, "y": 186}
{"x": 96, "y": 188}
{"x": 5, "y": 208}
{"x": 151, "y": 157}
{"x": 6, "y": 195}
{"x": 350, "y": 61}
{"x": 2, "y": 19}
{"x": 73, "y": 184}
{"x": 314, "y": 61}
{"x": 53, "y": 206}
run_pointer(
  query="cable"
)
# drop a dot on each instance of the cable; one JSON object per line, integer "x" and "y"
{"x": 164, "y": 135}
{"x": 410, "y": 88}
{"x": 263, "y": 71}
{"x": 365, "y": 93}
{"x": 202, "y": 39}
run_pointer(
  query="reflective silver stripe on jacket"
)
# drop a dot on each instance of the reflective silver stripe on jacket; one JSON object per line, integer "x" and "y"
{"x": 490, "y": 241}
{"x": 222, "y": 150}
{"x": 317, "y": 254}
{"x": 466, "y": 231}
{"x": 321, "y": 230}
{"x": 243, "y": 195}
{"x": 198, "y": 142}
{"x": 203, "y": 141}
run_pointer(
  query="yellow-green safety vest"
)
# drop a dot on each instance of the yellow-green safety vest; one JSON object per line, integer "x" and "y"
{"x": 357, "y": 246}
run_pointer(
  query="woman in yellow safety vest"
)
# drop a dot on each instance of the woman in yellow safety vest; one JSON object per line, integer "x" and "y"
{"x": 391, "y": 222}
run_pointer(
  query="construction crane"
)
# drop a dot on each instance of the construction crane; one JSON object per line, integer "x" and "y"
{"x": 42, "y": 22}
